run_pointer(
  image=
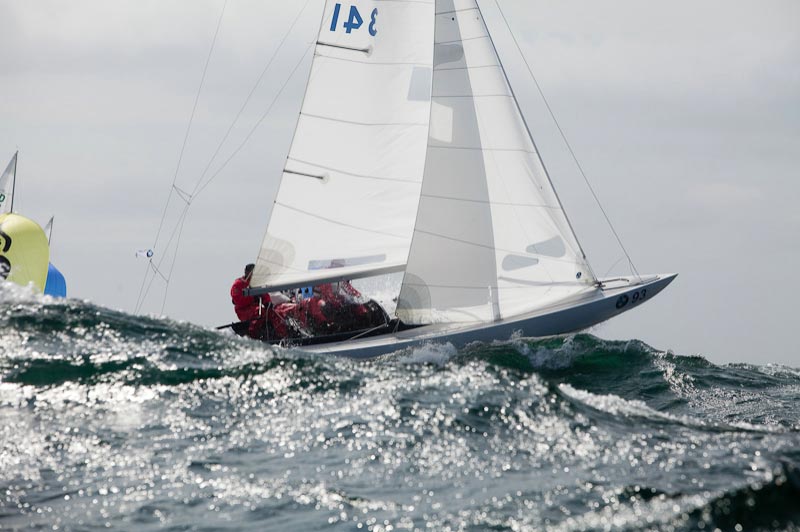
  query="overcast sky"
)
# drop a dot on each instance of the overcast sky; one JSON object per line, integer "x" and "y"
{"x": 685, "y": 116}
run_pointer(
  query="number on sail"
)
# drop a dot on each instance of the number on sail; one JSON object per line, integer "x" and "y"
{"x": 336, "y": 9}
{"x": 354, "y": 20}
{"x": 372, "y": 29}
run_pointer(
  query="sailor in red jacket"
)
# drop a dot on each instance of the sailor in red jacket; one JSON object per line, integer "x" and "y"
{"x": 249, "y": 308}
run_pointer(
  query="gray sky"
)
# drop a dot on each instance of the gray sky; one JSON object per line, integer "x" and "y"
{"x": 684, "y": 115}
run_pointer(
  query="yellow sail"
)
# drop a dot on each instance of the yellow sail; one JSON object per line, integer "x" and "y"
{"x": 24, "y": 252}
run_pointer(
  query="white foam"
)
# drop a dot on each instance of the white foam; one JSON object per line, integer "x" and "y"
{"x": 617, "y": 406}
{"x": 433, "y": 353}
{"x": 544, "y": 357}
{"x": 21, "y": 294}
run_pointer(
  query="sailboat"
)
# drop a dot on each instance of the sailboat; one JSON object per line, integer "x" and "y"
{"x": 56, "y": 283}
{"x": 24, "y": 246}
{"x": 411, "y": 154}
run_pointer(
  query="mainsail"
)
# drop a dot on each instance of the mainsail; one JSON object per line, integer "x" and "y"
{"x": 350, "y": 188}
{"x": 7, "y": 185}
{"x": 491, "y": 238}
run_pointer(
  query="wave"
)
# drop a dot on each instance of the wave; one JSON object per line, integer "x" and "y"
{"x": 564, "y": 433}
{"x": 766, "y": 505}
{"x": 49, "y": 342}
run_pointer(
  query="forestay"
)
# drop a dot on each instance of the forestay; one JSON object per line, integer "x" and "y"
{"x": 491, "y": 238}
{"x": 350, "y": 189}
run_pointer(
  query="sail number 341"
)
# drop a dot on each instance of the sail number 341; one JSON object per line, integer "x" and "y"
{"x": 354, "y": 20}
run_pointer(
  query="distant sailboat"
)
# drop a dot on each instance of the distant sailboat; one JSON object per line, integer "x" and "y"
{"x": 24, "y": 247}
{"x": 56, "y": 284}
{"x": 411, "y": 155}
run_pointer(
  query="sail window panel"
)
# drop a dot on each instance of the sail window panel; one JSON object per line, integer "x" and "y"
{"x": 391, "y": 43}
{"x": 346, "y": 92}
{"x": 486, "y": 81}
{"x": 476, "y": 53}
{"x": 392, "y": 152}
{"x": 419, "y": 86}
{"x": 458, "y": 26}
{"x": 455, "y": 123}
{"x": 488, "y": 123}
{"x": 519, "y": 230}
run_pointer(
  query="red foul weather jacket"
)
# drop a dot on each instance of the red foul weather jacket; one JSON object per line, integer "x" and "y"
{"x": 246, "y": 307}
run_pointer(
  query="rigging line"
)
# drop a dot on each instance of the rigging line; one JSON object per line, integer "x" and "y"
{"x": 530, "y": 137}
{"x": 156, "y": 268}
{"x": 150, "y": 269}
{"x": 564, "y": 138}
{"x": 257, "y": 124}
{"x": 185, "y": 196}
{"x": 141, "y": 290}
{"x": 612, "y": 267}
{"x": 198, "y": 188}
{"x": 174, "y": 260}
{"x": 177, "y": 232}
{"x": 249, "y": 96}
{"x": 191, "y": 120}
{"x": 141, "y": 298}
{"x": 156, "y": 273}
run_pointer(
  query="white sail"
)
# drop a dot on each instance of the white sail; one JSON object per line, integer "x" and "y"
{"x": 491, "y": 239}
{"x": 350, "y": 189}
{"x": 48, "y": 228}
{"x": 7, "y": 185}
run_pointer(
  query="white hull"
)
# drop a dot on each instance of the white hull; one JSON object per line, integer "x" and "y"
{"x": 593, "y": 307}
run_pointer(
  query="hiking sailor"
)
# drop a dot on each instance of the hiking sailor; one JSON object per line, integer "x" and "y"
{"x": 253, "y": 311}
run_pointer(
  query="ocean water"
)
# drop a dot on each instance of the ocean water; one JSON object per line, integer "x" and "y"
{"x": 111, "y": 421}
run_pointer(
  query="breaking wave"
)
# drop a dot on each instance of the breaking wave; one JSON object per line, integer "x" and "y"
{"x": 120, "y": 421}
